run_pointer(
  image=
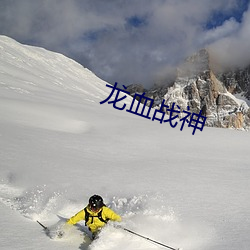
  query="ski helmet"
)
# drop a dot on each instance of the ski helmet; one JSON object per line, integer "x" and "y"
{"x": 95, "y": 202}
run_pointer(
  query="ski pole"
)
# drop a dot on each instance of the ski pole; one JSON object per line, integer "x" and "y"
{"x": 146, "y": 238}
{"x": 45, "y": 228}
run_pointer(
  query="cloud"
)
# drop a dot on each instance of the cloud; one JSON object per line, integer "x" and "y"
{"x": 228, "y": 28}
{"x": 232, "y": 50}
{"x": 126, "y": 41}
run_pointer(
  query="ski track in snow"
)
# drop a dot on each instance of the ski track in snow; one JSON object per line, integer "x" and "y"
{"x": 145, "y": 214}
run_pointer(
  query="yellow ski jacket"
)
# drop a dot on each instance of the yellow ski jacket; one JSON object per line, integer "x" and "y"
{"x": 94, "y": 223}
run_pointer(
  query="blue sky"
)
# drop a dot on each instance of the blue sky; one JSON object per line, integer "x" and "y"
{"x": 131, "y": 41}
{"x": 218, "y": 17}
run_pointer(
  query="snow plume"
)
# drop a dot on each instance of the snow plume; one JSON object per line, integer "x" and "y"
{"x": 34, "y": 203}
{"x": 147, "y": 215}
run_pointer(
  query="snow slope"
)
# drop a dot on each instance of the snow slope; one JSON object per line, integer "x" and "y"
{"x": 59, "y": 146}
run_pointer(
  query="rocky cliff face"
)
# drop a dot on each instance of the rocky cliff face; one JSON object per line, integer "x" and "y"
{"x": 198, "y": 87}
{"x": 237, "y": 81}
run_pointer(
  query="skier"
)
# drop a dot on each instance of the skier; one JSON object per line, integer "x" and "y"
{"x": 95, "y": 214}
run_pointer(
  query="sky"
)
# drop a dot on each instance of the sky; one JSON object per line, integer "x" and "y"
{"x": 132, "y": 41}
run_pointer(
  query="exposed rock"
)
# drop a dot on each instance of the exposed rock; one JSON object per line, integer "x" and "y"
{"x": 237, "y": 81}
{"x": 198, "y": 87}
{"x": 135, "y": 88}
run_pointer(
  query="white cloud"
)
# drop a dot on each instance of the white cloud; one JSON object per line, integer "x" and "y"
{"x": 228, "y": 28}
{"x": 97, "y": 33}
{"x": 233, "y": 50}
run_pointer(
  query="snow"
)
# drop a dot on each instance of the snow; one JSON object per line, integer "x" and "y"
{"x": 242, "y": 99}
{"x": 59, "y": 146}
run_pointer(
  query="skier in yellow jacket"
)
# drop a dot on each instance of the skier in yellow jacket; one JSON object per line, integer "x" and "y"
{"x": 96, "y": 215}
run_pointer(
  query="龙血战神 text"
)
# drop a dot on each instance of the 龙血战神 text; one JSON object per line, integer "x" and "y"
{"x": 196, "y": 121}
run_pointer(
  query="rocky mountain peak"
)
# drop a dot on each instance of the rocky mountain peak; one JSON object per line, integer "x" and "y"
{"x": 197, "y": 64}
{"x": 197, "y": 86}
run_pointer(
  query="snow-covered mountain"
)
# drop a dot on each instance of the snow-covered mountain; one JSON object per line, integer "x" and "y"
{"x": 198, "y": 87}
{"x": 222, "y": 97}
{"x": 58, "y": 146}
